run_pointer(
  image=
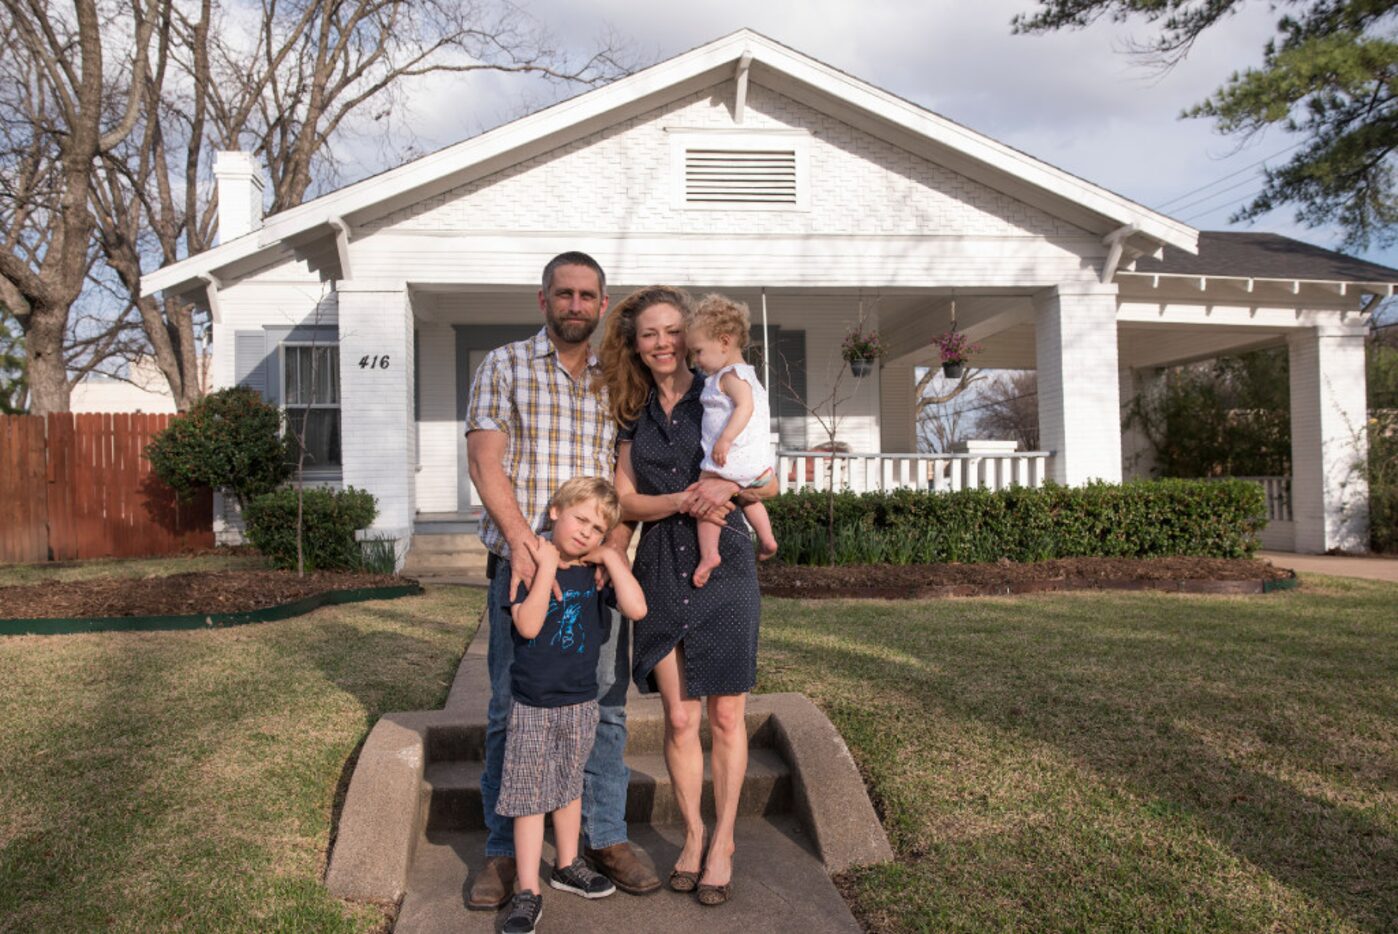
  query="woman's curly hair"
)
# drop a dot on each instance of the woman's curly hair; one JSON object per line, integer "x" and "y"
{"x": 627, "y": 379}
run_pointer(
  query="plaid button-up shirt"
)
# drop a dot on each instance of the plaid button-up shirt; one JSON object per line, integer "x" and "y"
{"x": 555, "y": 427}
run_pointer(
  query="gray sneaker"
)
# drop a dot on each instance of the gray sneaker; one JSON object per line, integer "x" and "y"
{"x": 577, "y": 878}
{"x": 526, "y": 909}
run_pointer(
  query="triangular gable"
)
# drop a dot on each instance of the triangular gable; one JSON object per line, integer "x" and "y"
{"x": 799, "y": 77}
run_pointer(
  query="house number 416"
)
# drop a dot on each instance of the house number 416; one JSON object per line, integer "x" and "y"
{"x": 376, "y": 362}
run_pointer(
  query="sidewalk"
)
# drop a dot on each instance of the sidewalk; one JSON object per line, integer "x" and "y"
{"x": 1374, "y": 569}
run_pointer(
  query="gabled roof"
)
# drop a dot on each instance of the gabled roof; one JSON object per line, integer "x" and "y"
{"x": 1264, "y": 256}
{"x": 939, "y": 139}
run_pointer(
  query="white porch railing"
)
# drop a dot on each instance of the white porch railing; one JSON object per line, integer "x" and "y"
{"x": 1278, "y": 491}
{"x": 940, "y": 473}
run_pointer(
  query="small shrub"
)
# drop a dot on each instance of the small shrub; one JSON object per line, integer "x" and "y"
{"x": 380, "y": 555}
{"x": 230, "y": 440}
{"x": 329, "y": 520}
{"x": 1140, "y": 519}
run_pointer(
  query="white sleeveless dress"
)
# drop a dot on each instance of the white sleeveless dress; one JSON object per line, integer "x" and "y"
{"x": 751, "y": 453}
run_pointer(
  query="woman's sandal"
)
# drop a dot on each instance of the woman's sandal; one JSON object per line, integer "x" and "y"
{"x": 713, "y": 895}
{"x": 682, "y": 880}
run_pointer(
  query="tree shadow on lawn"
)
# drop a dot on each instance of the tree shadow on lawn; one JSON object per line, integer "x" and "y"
{"x": 1131, "y": 702}
{"x": 153, "y": 722}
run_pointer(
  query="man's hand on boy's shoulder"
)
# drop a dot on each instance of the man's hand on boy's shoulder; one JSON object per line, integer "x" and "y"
{"x": 547, "y": 556}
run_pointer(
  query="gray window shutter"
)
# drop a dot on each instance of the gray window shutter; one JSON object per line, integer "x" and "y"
{"x": 250, "y": 367}
{"x": 788, "y": 381}
{"x": 789, "y": 375}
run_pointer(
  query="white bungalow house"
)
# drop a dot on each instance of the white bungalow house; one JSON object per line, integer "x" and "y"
{"x": 747, "y": 167}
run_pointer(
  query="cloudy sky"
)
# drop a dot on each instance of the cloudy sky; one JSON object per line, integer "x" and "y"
{"x": 1073, "y": 99}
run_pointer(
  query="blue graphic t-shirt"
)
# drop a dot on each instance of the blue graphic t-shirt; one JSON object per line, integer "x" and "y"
{"x": 558, "y": 667}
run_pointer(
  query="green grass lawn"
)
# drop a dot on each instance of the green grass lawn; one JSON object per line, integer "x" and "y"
{"x": 186, "y": 781}
{"x": 1116, "y": 762}
{"x": 18, "y": 574}
{"x": 1066, "y": 762}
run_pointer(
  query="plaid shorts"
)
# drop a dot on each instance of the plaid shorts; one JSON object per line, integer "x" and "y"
{"x": 546, "y": 749}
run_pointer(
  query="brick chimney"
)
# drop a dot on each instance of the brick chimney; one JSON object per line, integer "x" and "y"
{"x": 239, "y": 180}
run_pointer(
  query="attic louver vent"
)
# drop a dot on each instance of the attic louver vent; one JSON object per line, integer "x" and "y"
{"x": 740, "y": 176}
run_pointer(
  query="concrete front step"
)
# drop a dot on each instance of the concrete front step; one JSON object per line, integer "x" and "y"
{"x": 429, "y": 542}
{"x": 443, "y": 560}
{"x": 455, "y": 791}
{"x": 779, "y": 885}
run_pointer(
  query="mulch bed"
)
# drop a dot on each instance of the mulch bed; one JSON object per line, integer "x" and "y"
{"x": 238, "y": 591}
{"x": 896, "y": 582}
{"x": 177, "y": 594}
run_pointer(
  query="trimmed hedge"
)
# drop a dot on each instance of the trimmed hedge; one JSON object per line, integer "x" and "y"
{"x": 230, "y": 440}
{"x": 329, "y": 520}
{"x": 1140, "y": 519}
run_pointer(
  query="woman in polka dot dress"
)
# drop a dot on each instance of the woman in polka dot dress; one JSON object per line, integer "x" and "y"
{"x": 698, "y": 646}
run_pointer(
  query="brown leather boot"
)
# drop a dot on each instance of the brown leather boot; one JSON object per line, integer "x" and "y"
{"x": 627, "y": 866}
{"x": 494, "y": 885}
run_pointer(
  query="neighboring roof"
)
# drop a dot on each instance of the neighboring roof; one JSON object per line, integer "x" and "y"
{"x": 965, "y": 149}
{"x": 1264, "y": 256}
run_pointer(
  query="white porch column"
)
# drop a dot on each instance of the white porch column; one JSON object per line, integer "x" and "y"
{"x": 897, "y": 409}
{"x": 1329, "y": 489}
{"x": 1079, "y": 400}
{"x": 376, "y": 400}
{"x": 1137, "y": 456}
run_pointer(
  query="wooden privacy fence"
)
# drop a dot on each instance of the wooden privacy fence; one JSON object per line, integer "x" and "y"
{"x": 79, "y": 486}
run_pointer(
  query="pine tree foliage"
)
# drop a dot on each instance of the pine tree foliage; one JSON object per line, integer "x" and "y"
{"x": 1330, "y": 77}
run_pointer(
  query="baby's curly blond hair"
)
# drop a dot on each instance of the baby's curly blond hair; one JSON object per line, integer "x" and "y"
{"x": 718, "y": 315}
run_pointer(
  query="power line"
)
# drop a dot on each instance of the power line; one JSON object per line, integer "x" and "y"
{"x": 1225, "y": 178}
{"x": 1210, "y": 197}
{"x": 1226, "y": 204}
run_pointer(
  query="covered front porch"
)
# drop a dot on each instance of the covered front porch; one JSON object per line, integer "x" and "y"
{"x": 1093, "y": 347}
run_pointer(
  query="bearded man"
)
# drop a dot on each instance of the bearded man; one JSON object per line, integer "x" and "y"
{"x": 538, "y": 416}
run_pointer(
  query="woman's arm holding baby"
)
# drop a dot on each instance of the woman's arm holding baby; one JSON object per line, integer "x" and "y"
{"x": 642, "y": 507}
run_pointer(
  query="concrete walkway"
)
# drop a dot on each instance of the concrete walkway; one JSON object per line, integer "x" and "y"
{"x": 1374, "y": 569}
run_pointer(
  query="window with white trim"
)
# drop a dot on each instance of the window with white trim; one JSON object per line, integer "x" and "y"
{"x": 311, "y": 401}
{"x": 729, "y": 170}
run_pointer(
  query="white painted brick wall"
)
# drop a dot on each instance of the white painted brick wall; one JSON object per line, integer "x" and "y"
{"x": 1137, "y": 456}
{"x": 436, "y": 422}
{"x": 1079, "y": 406}
{"x": 620, "y": 179}
{"x": 377, "y": 402}
{"x": 1329, "y": 492}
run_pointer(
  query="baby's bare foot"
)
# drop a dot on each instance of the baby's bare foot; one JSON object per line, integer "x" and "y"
{"x": 705, "y": 568}
{"x": 766, "y": 547}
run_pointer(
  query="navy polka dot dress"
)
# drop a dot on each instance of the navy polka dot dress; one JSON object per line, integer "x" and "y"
{"x": 718, "y": 622}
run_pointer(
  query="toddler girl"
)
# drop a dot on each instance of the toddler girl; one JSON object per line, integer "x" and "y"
{"x": 736, "y": 426}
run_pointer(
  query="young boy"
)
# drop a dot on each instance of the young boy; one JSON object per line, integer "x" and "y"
{"x": 734, "y": 431}
{"x": 553, "y": 682}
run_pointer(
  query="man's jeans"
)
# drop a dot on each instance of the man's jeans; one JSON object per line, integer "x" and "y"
{"x": 606, "y": 777}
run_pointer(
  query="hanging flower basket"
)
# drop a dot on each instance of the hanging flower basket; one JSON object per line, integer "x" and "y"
{"x": 954, "y": 350}
{"x": 860, "y": 350}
